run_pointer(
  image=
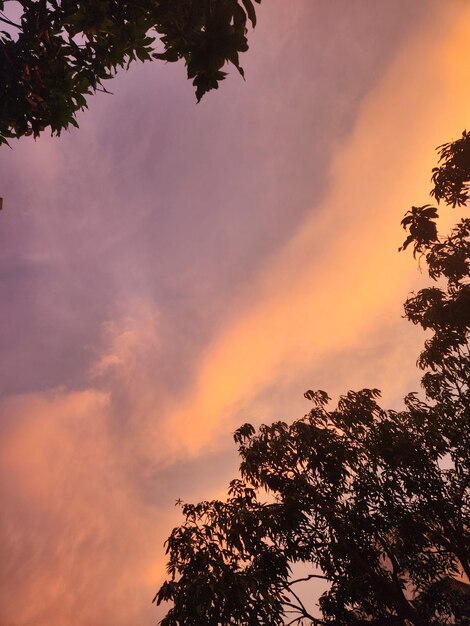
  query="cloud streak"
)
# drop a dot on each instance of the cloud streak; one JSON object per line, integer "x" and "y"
{"x": 213, "y": 318}
{"x": 339, "y": 276}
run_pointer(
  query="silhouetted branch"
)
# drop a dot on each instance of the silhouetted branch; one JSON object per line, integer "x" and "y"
{"x": 307, "y": 578}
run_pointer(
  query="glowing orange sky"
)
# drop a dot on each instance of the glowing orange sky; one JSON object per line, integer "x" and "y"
{"x": 94, "y": 454}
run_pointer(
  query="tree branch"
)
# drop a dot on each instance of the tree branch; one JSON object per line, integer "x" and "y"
{"x": 309, "y": 577}
{"x": 4, "y": 18}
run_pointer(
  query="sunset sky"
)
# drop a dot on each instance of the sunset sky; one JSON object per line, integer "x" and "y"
{"x": 171, "y": 270}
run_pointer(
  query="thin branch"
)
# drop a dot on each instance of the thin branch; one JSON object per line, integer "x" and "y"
{"x": 303, "y": 609}
{"x": 103, "y": 90}
{"x": 3, "y": 18}
{"x": 309, "y": 577}
{"x": 305, "y": 613}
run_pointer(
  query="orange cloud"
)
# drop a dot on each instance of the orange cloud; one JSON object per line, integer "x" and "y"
{"x": 80, "y": 471}
{"x": 77, "y": 535}
{"x": 339, "y": 277}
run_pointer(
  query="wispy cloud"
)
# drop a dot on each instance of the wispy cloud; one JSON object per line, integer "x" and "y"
{"x": 339, "y": 277}
{"x": 109, "y": 426}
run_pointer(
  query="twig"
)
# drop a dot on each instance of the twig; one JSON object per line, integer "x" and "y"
{"x": 309, "y": 577}
{"x": 4, "y": 18}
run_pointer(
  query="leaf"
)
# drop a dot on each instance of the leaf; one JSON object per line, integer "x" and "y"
{"x": 250, "y": 10}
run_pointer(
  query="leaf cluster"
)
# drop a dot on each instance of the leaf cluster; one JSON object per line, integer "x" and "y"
{"x": 444, "y": 308}
{"x": 450, "y": 177}
{"x": 64, "y": 50}
{"x": 358, "y": 493}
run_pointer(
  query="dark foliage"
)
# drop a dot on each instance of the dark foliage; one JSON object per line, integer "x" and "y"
{"x": 450, "y": 178}
{"x": 63, "y": 50}
{"x": 376, "y": 502}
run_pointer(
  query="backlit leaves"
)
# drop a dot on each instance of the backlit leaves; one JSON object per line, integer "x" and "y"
{"x": 451, "y": 178}
{"x": 420, "y": 222}
{"x": 64, "y": 51}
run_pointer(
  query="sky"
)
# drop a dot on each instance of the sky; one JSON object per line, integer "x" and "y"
{"x": 171, "y": 270}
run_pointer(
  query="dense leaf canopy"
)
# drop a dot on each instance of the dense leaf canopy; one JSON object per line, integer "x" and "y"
{"x": 376, "y": 502}
{"x": 58, "y": 52}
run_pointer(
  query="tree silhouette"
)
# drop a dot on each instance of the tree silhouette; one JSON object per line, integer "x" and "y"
{"x": 374, "y": 501}
{"x": 58, "y": 52}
